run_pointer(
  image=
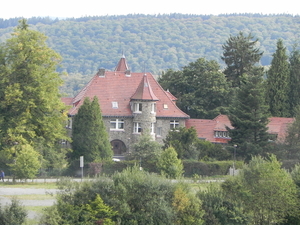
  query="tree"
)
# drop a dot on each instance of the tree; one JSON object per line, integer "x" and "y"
{"x": 278, "y": 83}
{"x": 146, "y": 148}
{"x": 188, "y": 208}
{"x": 201, "y": 88}
{"x": 13, "y": 213}
{"x": 184, "y": 141}
{"x": 265, "y": 191}
{"x": 292, "y": 141}
{"x": 169, "y": 165}
{"x": 294, "y": 81}
{"x": 89, "y": 136}
{"x": 27, "y": 162}
{"x": 31, "y": 111}
{"x": 249, "y": 116}
{"x": 219, "y": 209}
{"x": 240, "y": 55}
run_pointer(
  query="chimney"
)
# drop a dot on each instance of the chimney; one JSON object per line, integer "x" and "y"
{"x": 101, "y": 72}
{"x": 127, "y": 73}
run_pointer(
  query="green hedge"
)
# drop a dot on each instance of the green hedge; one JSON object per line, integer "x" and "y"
{"x": 190, "y": 167}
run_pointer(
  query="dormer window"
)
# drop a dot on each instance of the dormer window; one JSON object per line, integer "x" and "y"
{"x": 137, "y": 107}
{"x": 222, "y": 134}
{"x": 114, "y": 105}
{"x": 165, "y": 106}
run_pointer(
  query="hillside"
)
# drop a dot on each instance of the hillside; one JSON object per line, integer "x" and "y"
{"x": 153, "y": 42}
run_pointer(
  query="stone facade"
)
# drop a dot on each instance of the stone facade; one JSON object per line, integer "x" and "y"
{"x": 131, "y": 103}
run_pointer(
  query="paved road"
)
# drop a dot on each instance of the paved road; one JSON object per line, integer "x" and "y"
{"x": 5, "y": 191}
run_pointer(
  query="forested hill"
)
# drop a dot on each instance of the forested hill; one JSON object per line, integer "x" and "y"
{"x": 155, "y": 42}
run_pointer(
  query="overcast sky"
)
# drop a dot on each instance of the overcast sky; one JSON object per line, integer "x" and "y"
{"x": 77, "y": 8}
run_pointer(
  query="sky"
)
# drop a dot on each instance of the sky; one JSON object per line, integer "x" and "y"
{"x": 77, "y": 8}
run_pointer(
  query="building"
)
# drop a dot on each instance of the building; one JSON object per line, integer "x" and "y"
{"x": 130, "y": 103}
{"x": 134, "y": 102}
{"x": 216, "y": 132}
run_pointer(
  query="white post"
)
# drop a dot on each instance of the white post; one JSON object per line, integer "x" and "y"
{"x": 81, "y": 166}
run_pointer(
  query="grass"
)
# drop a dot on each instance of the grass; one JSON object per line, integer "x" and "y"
{"x": 28, "y": 185}
{"x": 31, "y": 197}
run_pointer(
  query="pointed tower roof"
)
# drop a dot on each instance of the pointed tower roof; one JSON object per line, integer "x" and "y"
{"x": 144, "y": 91}
{"x": 122, "y": 65}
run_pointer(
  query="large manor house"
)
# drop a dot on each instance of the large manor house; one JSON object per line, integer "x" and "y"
{"x": 135, "y": 102}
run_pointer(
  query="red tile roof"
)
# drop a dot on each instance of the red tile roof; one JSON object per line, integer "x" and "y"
{"x": 116, "y": 86}
{"x": 122, "y": 65}
{"x": 144, "y": 91}
{"x": 206, "y": 128}
{"x": 279, "y": 126}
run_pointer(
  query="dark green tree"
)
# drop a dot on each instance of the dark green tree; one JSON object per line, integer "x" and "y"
{"x": 278, "y": 83}
{"x": 240, "y": 54}
{"x": 184, "y": 141}
{"x": 249, "y": 116}
{"x": 292, "y": 141}
{"x": 201, "y": 88}
{"x": 89, "y": 136}
{"x": 294, "y": 81}
{"x": 31, "y": 110}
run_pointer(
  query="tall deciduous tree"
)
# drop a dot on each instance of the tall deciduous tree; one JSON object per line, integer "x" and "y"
{"x": 90, "y": 138}
{"x": 31, "y": 111}
{"x": 278, "y": 82}
{"x": 240, "y": 55}
{"x": 201, "y": 88}
{"x": 249, "y": 116}
{"x": 294, "y": 81}
{"x": 265, "y": 190}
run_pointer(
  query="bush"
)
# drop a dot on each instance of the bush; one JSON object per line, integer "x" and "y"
{"x": 13, "y": 214}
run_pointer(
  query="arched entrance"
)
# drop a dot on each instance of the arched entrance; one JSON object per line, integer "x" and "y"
{"x": 118, "y": 147}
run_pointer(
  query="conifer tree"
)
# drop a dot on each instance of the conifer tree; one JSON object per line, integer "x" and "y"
{"x": 278, "y": 82}
{"x": 240, "y": 56}
{"x": 249, "y": 116}
{"x": 89, "y": 135}
{"x": 294, "y": 81}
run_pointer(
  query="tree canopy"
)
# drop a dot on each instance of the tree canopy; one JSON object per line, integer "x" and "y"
{"x": 201, "y": 88}
{"x": 278, "y": 82}
{"x": 89, "y": 135}
{"x": 265, "y": 190}
{"x": 240, "y": 55}
{"x": 249, "y": 116}
{"x": 31, "y": 111}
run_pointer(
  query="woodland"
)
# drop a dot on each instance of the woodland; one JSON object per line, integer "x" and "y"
{"x": 153, "y": 43}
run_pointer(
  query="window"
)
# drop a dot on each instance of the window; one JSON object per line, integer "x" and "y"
{"x": 165, "y": 106}
{"x": 152, "y": 128}
{"x": 174, "y": 124}
{"x": 153, "y": 108}
{"x": 117, "y": 124}
{"x": 137, "y": 128}
{"x": 158, "y": 131}
{"x": 114, "y": 105}
{"x": 221, "y": 134}
{"x": 137, "y": 107}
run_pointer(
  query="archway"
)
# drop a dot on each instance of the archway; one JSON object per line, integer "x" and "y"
{"x": 118, "y": 147}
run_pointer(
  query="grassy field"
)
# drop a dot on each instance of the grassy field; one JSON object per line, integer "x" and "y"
{"x": 32, "y": 209}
